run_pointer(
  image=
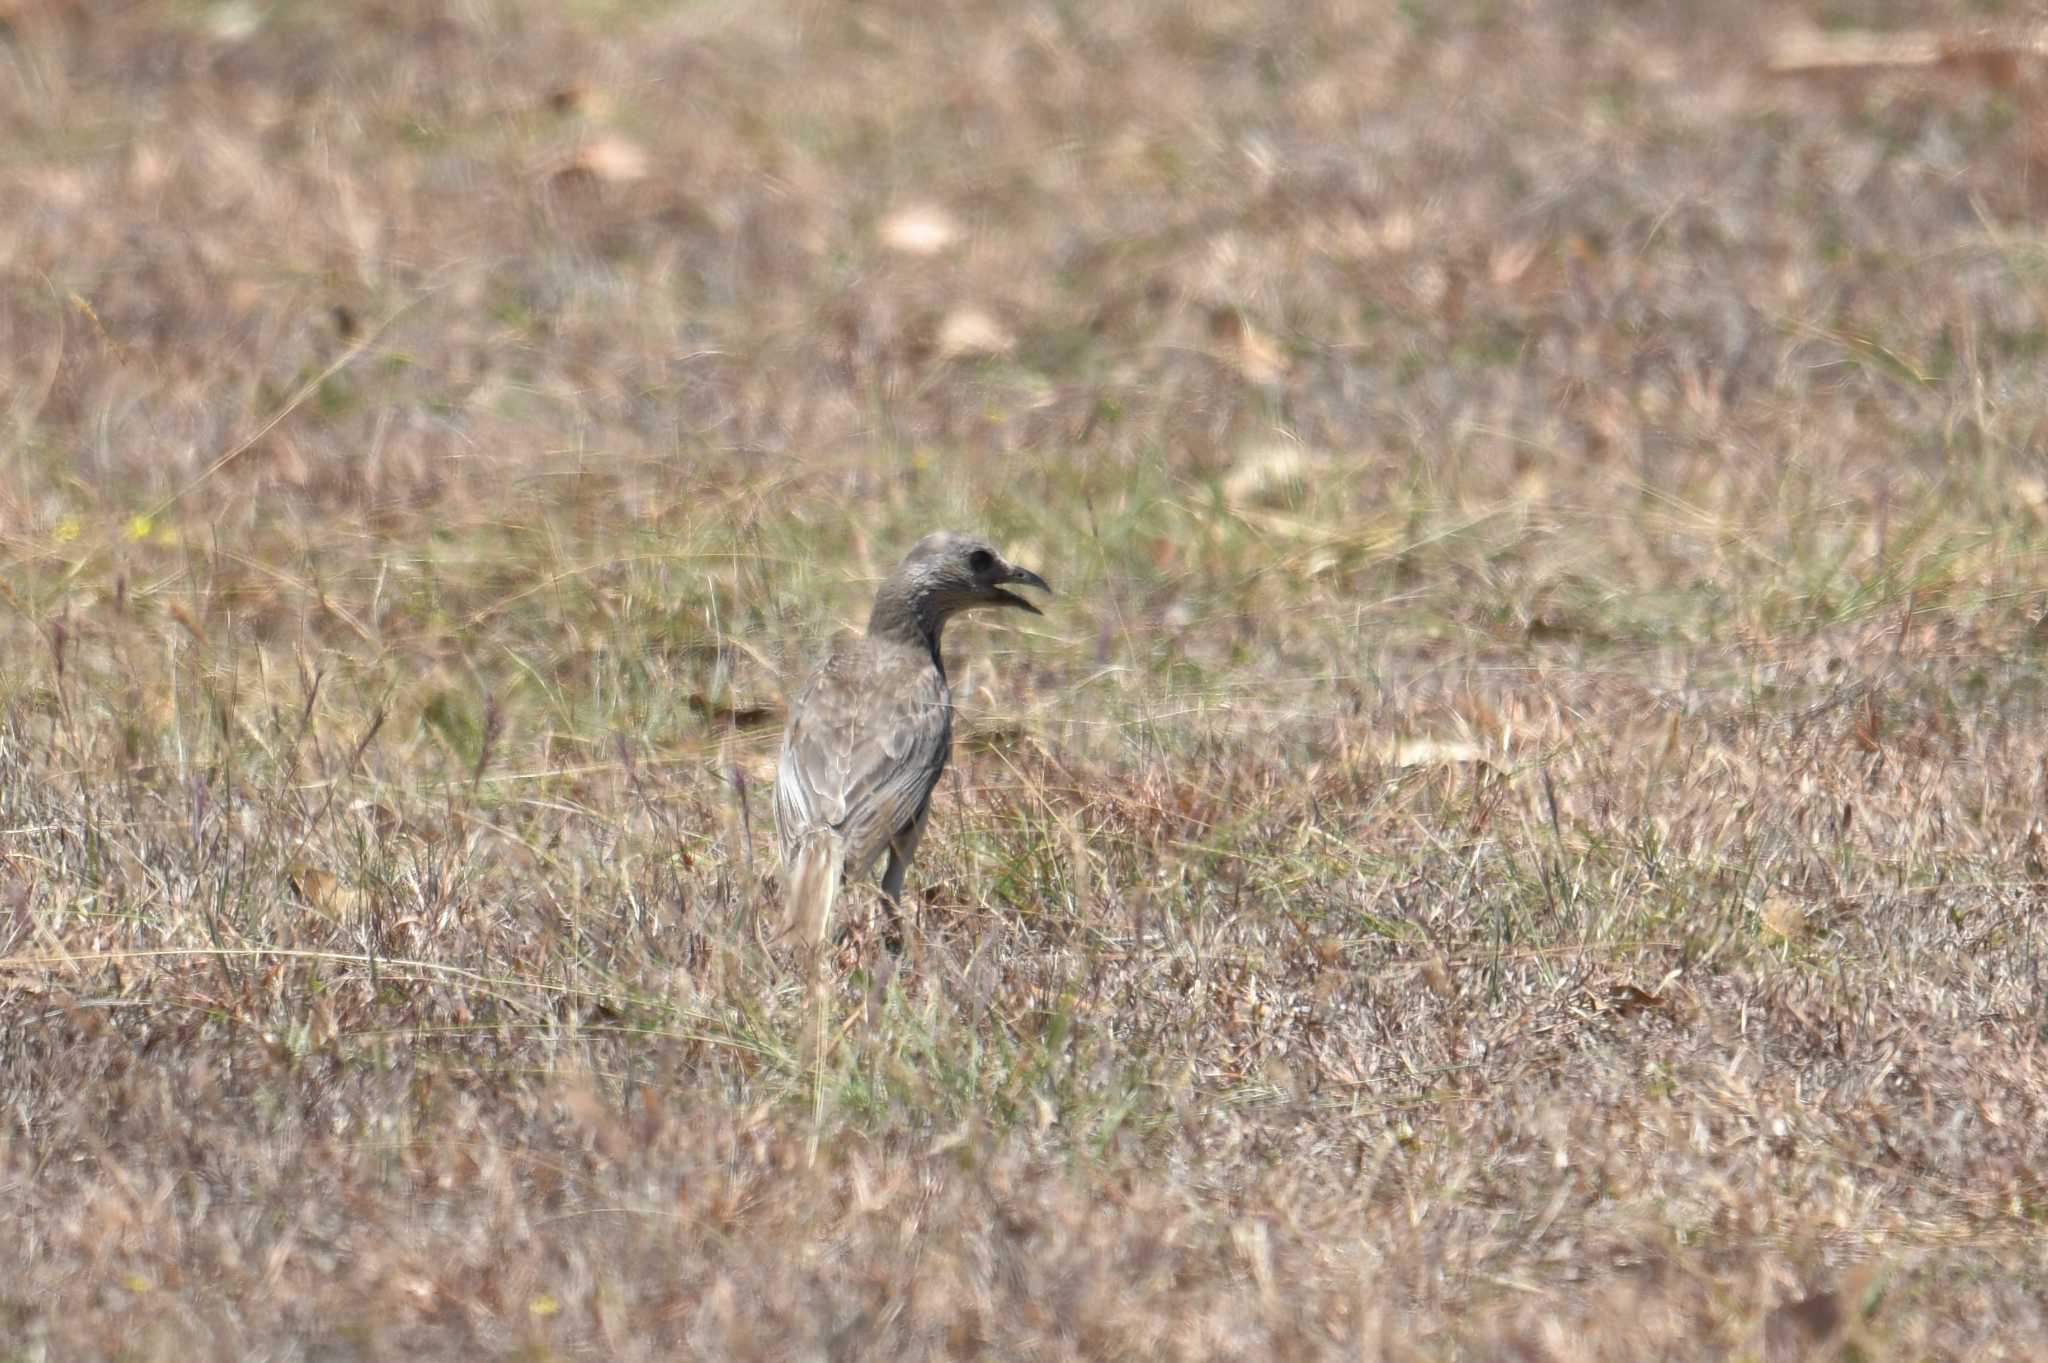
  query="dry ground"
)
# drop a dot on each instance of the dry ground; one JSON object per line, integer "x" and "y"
{"x": 1521, "y": 836}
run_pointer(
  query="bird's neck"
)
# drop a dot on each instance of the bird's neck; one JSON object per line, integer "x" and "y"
{"x": 915, "y": 622}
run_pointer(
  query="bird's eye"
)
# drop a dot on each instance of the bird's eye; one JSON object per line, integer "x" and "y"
{"x": 981, "y": 560}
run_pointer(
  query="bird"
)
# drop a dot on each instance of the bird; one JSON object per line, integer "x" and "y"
{"x": 872, "y": 729}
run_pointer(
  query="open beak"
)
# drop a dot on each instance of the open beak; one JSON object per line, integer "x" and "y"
{"x": 1029, "y": 579}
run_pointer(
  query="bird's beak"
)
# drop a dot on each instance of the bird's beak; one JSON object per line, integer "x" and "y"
{"x": 1029, "y": 579}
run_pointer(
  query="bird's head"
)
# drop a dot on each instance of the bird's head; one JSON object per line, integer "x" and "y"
{"x": 945, "y": 573}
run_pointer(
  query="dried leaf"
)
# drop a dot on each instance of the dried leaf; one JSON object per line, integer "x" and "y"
{"x": 326, "y": 894}
{"x": 1431, "y": 752}
{"x": 1263, "y": 469}
{"x": 610, "y": 159}
{"x": 1510, "y": 260}
{"x": 1997, "y": 58}
{"x": 919, "y": 230}
{"x": 579, "y": 99}
{"x": 1238, "y": 343}
{"x": 1783, "y": 917}
{"x": 184, "y": 617}
{"x": 1626, "y": 998}
{"x": 968, "y": 331}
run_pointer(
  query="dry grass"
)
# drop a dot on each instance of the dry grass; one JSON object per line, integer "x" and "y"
{"x": 1521, "y": 838}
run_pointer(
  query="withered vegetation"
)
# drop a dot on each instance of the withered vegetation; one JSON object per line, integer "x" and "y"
{"x": 1520, "y": 837}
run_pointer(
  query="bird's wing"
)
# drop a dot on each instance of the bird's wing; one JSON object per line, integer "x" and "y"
{"x": 866, "y": 742}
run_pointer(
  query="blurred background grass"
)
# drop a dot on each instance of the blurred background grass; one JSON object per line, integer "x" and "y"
{"x": 1520, "y": 837}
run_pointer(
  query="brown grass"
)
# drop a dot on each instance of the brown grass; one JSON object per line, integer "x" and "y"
{"x": 1522, "y": 836}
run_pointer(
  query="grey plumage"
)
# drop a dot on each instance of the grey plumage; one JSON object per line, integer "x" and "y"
{"x": 872, "y": 729}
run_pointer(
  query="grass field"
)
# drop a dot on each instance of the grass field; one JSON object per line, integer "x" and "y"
{"x": 1519, "y": 837}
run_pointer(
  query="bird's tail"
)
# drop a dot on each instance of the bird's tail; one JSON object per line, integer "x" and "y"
{"x": 813, "y": 884}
